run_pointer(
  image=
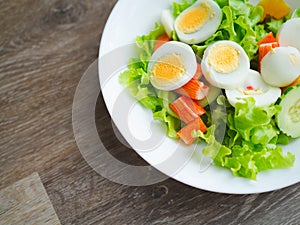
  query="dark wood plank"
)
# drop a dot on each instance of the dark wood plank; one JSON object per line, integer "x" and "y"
{"x": 44, "y": 51}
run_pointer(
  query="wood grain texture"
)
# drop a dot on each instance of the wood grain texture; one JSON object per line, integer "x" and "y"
{"x": 45, "y": 47}
{"x": 26, "y": 202}
{"x": 44, "y": 51}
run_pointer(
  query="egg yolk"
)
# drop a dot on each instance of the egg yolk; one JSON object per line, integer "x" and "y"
{"x": 192, "y": 20}
{"x": 223, "y": 58}
{"x": 169, "y": 67}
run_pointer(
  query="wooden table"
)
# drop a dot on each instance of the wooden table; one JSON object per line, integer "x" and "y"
{"x": 45, "y": 48}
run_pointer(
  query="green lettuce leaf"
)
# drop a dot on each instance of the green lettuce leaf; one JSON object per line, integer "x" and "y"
{"x": 173, "y": 124}
{"x": 214, "y": 149}
{"x": 254, "y": 123}
{"x": 146, "y": 43}
{"x": 274, "y": 25}
{"x": 296, "y": 13}
{"x": 222, "y": 3}
{"x": 240, "y": 7}
{"x": 250, "y": 141}
{"x": 129, "y": 76}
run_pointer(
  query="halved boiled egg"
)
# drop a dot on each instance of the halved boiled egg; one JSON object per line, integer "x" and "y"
{"x": 281, "y": 66}
{"x": 225, "y": 64}
{"x": 289, "y": 33}
{"x": 198, "y": 22}
{"x": 172, "y": 65}
{"x": 255, "y": 87}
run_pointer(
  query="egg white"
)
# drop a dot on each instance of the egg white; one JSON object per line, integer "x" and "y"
{"x": 167, "y": 19}
{"x": 226, "y": 80}
{"x": 289, "y": 33}
{"x": 189, "y": 60}
{"x": 264, "y": 94}
{"x": 207, "y": 30}
{"x": 281, "y": 66}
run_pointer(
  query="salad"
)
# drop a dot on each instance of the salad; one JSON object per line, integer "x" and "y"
{"x": 226, "y": 73}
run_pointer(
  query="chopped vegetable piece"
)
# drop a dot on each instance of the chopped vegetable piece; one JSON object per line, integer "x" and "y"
{"x": 264, "y": 49}
{"x": 269, "y": 38}
{"x": 194, "y": 89}
{"x": 185, "y": 133}
{"x": 161, "y": 40}
{"x": 288, "y": 119}
{"x": 250, "y": 88}
{"x": 198, "y": 73}
{"x": 187, "y": 109}
{"x": 275, "y": 8}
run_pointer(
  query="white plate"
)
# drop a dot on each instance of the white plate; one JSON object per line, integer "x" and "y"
{"x": 131, "y": 18}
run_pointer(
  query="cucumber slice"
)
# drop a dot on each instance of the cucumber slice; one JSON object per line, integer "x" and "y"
{"x": 288, "y": 119}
